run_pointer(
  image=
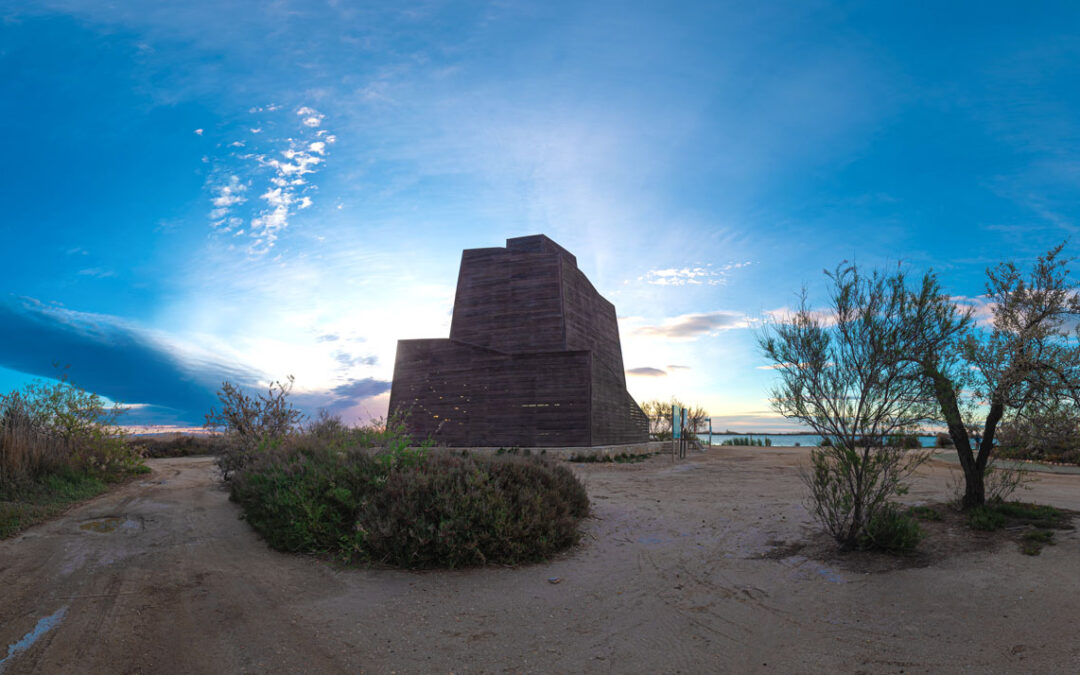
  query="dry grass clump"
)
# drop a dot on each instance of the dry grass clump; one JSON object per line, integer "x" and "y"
{"x": 28, "y": 448}
{"x": 58, "y": 445}
{"x": 178, "y": 445}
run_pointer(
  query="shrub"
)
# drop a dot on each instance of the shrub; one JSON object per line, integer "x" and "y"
{"x": 251, "y": 423}
{"x": 178, "y": 445}
{"x": 412, "y": 510}
{"x": 1033, "y": 541}
{"x": 49, "y": 427}
{"x": 925, "y": 513}
{"x": 849, "y": 488}
{"x": 58, "y": 445}
{"x": 1046, "y": 432}
{"x": 891, "y": 530}
{"x": 943, "y": 441}
{"x": 904, "y": 441}
{"x": 985, "y": 518}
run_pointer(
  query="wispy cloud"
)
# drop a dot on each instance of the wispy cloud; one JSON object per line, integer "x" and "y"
{"x": 690, "y": 276}
{"x": 693, "y": 326}
{"x": 646, "y": 372}
{"x": 229, "y": 195}
{"x": 97, "y": 272}
{"x": 787, "y": 315}
{"x": 350, "y": 360}
{"x": 310, "y": 117}
{"x": 285, "y": 166}
{"x": 361, "y": 388}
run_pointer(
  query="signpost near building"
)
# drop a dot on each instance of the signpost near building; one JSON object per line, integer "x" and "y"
{"x": 684, "y": 429}
{"x": 676, "y": 428}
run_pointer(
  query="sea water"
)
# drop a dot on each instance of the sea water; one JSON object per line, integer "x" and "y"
{"x": 796, "y": 439}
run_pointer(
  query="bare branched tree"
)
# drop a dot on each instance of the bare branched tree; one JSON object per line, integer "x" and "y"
{"x": 844, "y": 374}
{"x": 249, "y": 422}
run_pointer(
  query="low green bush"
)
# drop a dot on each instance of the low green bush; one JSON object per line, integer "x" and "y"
{"x": 986, "y": 518}
{"x": 1033, "y": 541}
{"x": 622, "y": 458}
{"x": 31, "y": 502}
{"x": 1039, "y": 515}
{"x": 905, "y": 441}
{"x": 891, "y": 530}
{"x": 925, "y": 513}
{"x": 410, "y": 510}
{"x": 1040, "y": 536}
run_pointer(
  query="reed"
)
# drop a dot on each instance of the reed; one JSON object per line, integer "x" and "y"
{"x": 28, "y": 448}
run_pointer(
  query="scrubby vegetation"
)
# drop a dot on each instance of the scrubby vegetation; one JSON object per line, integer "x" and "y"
{"x": 409, "y": 509}
{"x": 58, "y": 444}
{"x": 904, "y": 441}
{"x": 1039, "y": 520}
{"x": 370, "y": 495}
{"x": 891, "y": 530}
{"x": 661, "y": 424}
{"x": 250, "y": 423}
{"x": 621, "y": 458}
{"x": 1049, "y": 433}
{"x": 749, "y": 441}
{"x": 924, "y": 513}
{"x": 178, "y": 445}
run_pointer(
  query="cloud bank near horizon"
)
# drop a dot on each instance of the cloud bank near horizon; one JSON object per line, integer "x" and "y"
{"x": 162, "y": 381}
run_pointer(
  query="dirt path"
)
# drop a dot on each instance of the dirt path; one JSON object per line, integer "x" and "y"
{"x": 685, "y": 568}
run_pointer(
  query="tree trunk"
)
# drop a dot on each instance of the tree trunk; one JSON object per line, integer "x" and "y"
{"x": 974, "y": 467}
{"x": 975, "y": 478}
{"x": 974, "y": 487}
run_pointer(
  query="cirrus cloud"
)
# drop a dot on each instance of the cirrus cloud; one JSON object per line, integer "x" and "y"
{"x": 693, "y": 326}
{"x": 646, "y": 372}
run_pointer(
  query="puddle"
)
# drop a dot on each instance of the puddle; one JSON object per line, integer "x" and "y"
{"x": 103, "y": 526}
{"x": 109, "y": 525}
{"x": 43, "y": 626}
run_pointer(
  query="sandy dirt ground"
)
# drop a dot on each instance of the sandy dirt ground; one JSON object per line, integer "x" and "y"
{"x": 707, "y": 565}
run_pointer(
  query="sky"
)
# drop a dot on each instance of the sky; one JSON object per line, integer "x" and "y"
{"x": 198, "y": 192}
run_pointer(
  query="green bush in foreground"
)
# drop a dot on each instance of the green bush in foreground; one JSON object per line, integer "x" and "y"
{"x": 985, "y": 518}
{"x": 891, "y": 530}
{"x": 432, "y": 510}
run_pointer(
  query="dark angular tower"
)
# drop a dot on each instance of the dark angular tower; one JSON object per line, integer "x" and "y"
{"x": 533, "y": 358}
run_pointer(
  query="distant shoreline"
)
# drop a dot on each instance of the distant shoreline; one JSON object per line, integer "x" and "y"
{"x": 791, "y": 433}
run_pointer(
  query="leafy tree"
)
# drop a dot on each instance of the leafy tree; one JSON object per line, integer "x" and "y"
{"x": 659, "y": 414}
{"x": 58, "y": 423}
{"x": 845, "y": 374}
{"x": 979, "y": 376}
{"x": 919, "y": 352}
{"x": 1047, "y": 431}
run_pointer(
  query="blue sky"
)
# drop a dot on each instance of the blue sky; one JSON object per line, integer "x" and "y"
{"x": 204, "y": 191}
